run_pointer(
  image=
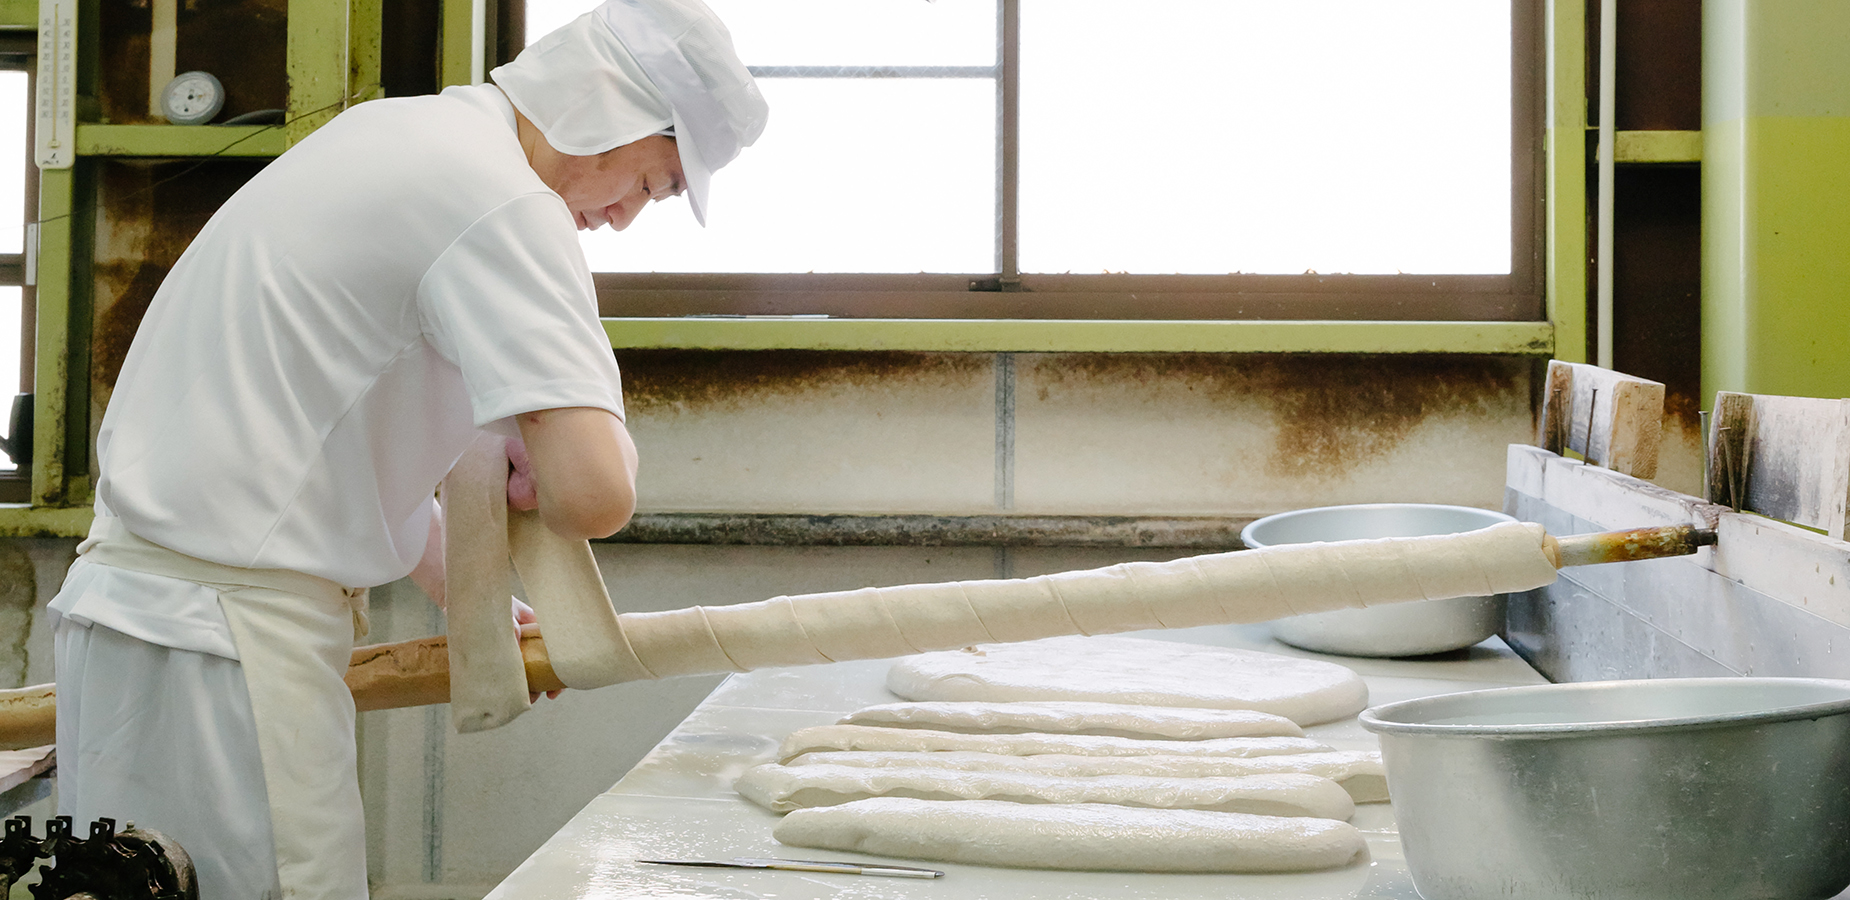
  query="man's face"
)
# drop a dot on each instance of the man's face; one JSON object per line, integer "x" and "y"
{"x": 612, "y": 187}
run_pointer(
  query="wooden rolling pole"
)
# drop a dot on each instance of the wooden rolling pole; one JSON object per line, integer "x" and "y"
{"x": 417, "y": 673}
{"x": 1626, "y": 546}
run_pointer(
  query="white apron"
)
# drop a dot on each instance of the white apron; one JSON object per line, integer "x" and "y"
{"x": 294, "y": 634}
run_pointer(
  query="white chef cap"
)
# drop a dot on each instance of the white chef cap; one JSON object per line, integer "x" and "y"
{"x": 633, "y": 68}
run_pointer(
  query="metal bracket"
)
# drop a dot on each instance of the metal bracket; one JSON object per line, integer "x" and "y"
{"x": 1731, "y": 473}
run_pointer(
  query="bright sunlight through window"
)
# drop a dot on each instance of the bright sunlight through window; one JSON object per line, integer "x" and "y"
{"x": 13, "y": 115}
{"x": 1162, "y": 137}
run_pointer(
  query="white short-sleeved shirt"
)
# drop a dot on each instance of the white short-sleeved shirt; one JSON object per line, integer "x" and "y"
{"x": 334, "y": 338}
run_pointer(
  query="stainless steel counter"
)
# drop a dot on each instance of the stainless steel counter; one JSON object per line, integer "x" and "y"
{"x": 678, "y": 803}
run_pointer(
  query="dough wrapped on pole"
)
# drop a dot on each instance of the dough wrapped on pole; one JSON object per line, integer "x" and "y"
{"x": 1223, "y": 588}
{"x": 596, "y": 646}
{"x": 872, "y": 623}
{"x": 487, "y": 684}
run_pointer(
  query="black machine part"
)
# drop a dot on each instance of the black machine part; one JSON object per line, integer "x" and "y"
{"x": 134, "y": 864}
{"x": 18, "y": 442}
{"x": 18, "y": 853}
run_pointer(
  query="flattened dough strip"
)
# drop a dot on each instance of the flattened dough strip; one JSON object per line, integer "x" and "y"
{"x": 1358, "y": 771}
{"x": 1075, "y": 717}
{"x": 1087, "y": 836}
{"x": 868, "y": 738}
{"x": 785, "y": 788}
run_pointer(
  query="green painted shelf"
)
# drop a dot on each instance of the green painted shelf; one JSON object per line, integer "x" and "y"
{"x": 181, "y": 140}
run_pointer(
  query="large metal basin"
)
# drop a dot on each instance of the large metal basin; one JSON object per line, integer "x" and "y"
{"x": 1632, "y": 790}
{"x": 1400, "y": 629}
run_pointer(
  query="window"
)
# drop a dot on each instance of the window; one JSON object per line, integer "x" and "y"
{"x": 1363, "y": 159}
{"x": 18, "y": 177}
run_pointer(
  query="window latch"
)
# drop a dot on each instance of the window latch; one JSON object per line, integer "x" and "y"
{"x": 998, "y": 285}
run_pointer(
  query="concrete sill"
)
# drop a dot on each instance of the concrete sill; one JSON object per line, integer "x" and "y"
{"x": 17, "y": 520}
{"x": 1080, "y": 336}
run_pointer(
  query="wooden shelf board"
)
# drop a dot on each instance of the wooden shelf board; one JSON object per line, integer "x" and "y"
{"x": 1657, "y": 147}
{"x": 241, "y": 141}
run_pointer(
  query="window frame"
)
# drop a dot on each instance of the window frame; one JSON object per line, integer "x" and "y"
{"x": 1007, "y": 293}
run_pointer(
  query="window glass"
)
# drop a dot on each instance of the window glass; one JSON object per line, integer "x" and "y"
{"x": 875, "y": 158}
{"x": 1220, "y": 136}
{"x": 861, "y": 32}
{"x": 851, "y": 175}
{"x": 833, "y": 32}
{"x": 1171, "y": 136}
{"x": 9, "y": 363}
{"x": 13, "y": 115}
{"x": 544, "y": 16}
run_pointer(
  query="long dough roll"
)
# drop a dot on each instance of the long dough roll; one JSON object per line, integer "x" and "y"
{"x": 786, "y": 788}
{"x": 1076, "y": 717}
{"x": 861, "y": 737}
{"x": 1357, "y": 771}
{"x": 1245, "y": 586}
{"x": 1092, "y": 836}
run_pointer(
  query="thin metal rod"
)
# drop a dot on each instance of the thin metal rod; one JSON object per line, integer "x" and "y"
{"x": 1008, "y": 134}
{"x": 872, "y": 71}
{"x": 1587, "y": 453}
{"x": 1608, "y": 125}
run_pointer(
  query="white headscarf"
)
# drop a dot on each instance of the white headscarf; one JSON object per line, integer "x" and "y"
{"x": 633, "y": 68}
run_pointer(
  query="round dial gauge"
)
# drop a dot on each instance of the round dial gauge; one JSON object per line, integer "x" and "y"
{"x": 192, "y": 98}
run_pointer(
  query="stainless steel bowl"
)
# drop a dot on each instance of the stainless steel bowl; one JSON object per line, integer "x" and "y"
{"x": 1633, "y": 790}
{"x": 1402, "y": 629}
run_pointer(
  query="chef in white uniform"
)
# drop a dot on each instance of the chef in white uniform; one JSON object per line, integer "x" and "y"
{"x": 327, "y": 347}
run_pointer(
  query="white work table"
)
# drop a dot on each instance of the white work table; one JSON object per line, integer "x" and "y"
{"x": 678, "y": 803}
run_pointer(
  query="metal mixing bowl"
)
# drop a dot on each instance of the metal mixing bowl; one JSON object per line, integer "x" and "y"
{"x": 1402, "y": 629}
{"x": 1678, "y": 789}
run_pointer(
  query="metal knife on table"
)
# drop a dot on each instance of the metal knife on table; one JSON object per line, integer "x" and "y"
{"x": 802, "y": 865}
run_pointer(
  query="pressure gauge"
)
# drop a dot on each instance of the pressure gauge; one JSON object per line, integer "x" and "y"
{"x": 192, "y": 98}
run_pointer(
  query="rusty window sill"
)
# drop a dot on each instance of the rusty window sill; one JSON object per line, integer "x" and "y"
{"x": 1081, "y": 336}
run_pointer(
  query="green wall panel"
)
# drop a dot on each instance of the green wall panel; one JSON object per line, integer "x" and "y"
{"x": 1776, "y": 196}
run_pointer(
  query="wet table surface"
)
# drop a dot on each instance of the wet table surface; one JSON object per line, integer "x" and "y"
{"x": 678, "y": 803}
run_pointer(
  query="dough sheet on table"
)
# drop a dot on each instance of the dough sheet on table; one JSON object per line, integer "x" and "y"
{"x": 1136, "y": 671}
{"x": 863, "y": 737}
{"x": 1076, "y": 717}
{"x": 1359, "y": 772}
{"x": 785, "y": 788}
{"x": 1088, "y": 836}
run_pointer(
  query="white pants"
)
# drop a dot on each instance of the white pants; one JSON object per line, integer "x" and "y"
{"x": 249, "y": 764}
